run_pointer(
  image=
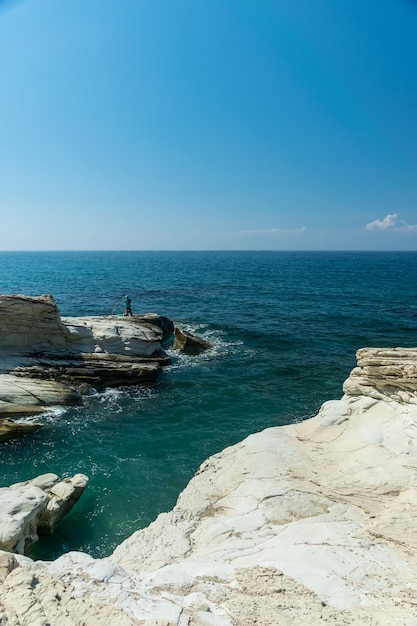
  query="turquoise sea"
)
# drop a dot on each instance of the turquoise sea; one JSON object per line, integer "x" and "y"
{"x": 284, "y": 325}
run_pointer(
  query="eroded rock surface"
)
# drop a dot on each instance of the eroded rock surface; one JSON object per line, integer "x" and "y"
{"x": 9, "y": 428}
{"x": 385, "y": 372}
{"x": 35, "y": 507}
{"x": 312, "y": 523}
{"x": 46, "y": 360}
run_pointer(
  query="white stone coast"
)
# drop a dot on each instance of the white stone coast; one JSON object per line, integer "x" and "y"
{"x": 46, "y": 360}
{"x": 311, "y": 523}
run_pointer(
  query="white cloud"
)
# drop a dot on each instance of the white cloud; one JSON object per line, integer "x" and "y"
{"x": 407, "y": 228}
{"x": 269, "y": 231}
{"x": 387, "y": 222}
{"x": 391, "y": 222}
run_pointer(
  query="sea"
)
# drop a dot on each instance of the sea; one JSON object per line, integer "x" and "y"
{"x": 284, "y": 329}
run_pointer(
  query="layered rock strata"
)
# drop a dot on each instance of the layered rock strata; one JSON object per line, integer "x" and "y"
{"x": 385, "y": 372}
{"x": 311, "y": 523}
{"x": 10, "y": 428}
{"x": 46, "y": 360}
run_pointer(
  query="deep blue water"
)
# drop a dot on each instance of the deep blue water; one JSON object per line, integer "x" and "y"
{"x": 285, "y": 328}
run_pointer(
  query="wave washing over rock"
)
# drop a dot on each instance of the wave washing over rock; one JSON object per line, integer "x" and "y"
{"x": 311, "y": 523}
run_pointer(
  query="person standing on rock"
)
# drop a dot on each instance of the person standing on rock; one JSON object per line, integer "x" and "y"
{"x": 128, "y": 310}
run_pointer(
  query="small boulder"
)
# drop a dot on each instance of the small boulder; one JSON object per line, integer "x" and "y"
{"x": 186, "y": 342}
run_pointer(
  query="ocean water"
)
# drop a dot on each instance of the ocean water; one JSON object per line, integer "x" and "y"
{"x": 284, "y": 327}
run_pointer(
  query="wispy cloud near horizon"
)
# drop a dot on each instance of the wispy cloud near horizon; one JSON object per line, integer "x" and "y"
{"x": 391, "y": 222}
{"x": 271, "y": 231}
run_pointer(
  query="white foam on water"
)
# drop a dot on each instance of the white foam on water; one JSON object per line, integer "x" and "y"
{"x": 49, "y": 414}
{"x": 115, "y": 398}
{"x": 110, "y": 393}
{"x": 220, "y": 347}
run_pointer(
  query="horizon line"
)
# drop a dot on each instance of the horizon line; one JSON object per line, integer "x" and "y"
{"x": 207, "y": 250}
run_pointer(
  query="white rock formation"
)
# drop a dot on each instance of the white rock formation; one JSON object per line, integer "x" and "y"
{"x": 33, "y": 324}
{"x": 113, "y": 335}
{"x": 19, "y": 395}
{"x": 35, "y": 506}
{"x": 30, "y": 324}
{"x": 312, "y": 523}
{"x": 48, "y": 361}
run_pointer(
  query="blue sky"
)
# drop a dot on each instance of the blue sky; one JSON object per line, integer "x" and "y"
{"x": 208, "y": 124}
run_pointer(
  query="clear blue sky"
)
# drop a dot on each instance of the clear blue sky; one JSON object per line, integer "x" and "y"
{"x": 208, "y": 124}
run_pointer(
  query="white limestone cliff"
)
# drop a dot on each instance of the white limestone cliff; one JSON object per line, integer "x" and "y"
{"x": 33, "y": 324}
{"x": 311, "y": 523}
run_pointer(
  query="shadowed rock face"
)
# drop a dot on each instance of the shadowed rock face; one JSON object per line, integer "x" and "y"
{"x": 191, "y": 344}
{"x": 46, "y": 360}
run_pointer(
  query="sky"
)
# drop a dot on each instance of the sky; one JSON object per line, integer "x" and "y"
{"x": 208, "y": 125}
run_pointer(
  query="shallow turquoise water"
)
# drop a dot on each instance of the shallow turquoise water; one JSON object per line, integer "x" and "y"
{"x": 285, "y": 327}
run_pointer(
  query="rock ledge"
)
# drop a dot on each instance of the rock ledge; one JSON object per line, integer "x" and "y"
{"x": 46, "y": 360}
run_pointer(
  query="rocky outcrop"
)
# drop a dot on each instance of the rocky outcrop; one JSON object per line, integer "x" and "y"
{"x": 24, "y": 395}
{"x": 10, "y": 429}
{"x": 35, "y": 507}
{"x": 311, "y": 523}
{"x": 46, "y": 360}
{"x": 191, "y": 344}
{"x": 385, "y": 373}
{"x": 30, "y": 325}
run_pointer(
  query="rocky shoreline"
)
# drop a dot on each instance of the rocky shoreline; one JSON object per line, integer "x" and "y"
{"x": 46, "y": 360}
{"x": 310, "y": 523}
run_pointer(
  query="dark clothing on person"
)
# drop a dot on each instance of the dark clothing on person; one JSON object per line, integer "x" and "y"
{"x": 128, "y": 310}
